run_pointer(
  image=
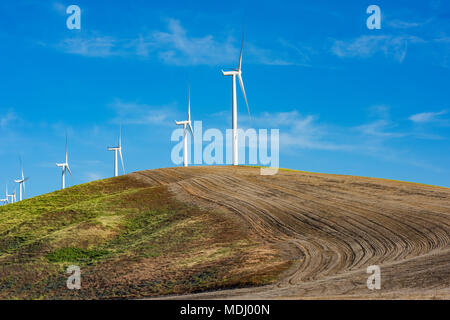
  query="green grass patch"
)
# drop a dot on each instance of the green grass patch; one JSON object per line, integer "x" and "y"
{"x": 131, "y": 239}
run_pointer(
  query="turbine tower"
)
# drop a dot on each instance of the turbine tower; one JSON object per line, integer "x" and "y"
{"x": 185, "y": 124}
{"x": 116, "y": 150}
{"x": 236, "y": 73}
{"x": 21, "y": 182}
{"x": 65, "y": 167}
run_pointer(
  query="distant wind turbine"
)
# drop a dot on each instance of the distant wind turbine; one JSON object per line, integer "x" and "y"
{"x": 65, "y": 167}
{"x": 21, "y": 182}
{"x": 116, "y": 150}
{"x": 237, "y": 73}
{"x": 186, "y": 123}
{"x": 5, "y": 200}
{"x": 11, "y": 196}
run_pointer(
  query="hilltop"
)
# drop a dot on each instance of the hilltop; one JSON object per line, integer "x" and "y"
{"x": 179, "y": 231}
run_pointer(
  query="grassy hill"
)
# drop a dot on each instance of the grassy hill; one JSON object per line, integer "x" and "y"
{"x": 131, "y": 239}
{"x": 186, "y": 230}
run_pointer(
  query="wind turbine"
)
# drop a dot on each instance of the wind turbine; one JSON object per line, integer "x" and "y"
{"x": 12, "y": 196}
{"x": 185, "y": 124}
{"x": 118, "y": 149}
{"x": 237, "y": 73}
{"x": 7, "y": 197}
{"x": 21, "y": 182}
{"x": 64, "y": 166}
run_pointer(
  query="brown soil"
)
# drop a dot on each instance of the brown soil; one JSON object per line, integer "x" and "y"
{"x": 222, "y": 232}
{"x": 331, "y": 227}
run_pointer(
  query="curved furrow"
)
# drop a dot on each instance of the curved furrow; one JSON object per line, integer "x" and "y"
{"x": 432, "y": 242}
{"x": 332, "y": 226}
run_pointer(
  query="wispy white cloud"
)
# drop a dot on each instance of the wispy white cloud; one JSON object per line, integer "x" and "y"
{"x": 302, "y": 131}
{"x": 394, "y": 47}
{"x": 285, "y": 54}
{"x": 401, "y": 24}
{"x": 267, "y": 57}
{"x": 7, "y": 119}
{"x": 444, "y": 39}
{"x": 136, "y": 113}
{"x": 59, "y": 7}
{"x": 380, "y": 128}
{"x": 178, "y": 48}
{"x": 425, "y": 117}
{"x": 379, "y": 111}
{"x": 175, "y": 46}
{"x": 96, "y": 46}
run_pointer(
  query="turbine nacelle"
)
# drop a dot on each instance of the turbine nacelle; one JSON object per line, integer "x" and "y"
{"x": 64, "y": 166}
{"x": 232, "y": 73}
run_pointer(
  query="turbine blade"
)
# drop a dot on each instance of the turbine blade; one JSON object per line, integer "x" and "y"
{"x": 121, "y": 160}
{"x": 192, "y": 132}
{"x": 245, "y": 97}
{"x": 21, "y": 166}
{"x": 69, "y": 171}
{"x": 242, "y": 47}
{"x": 189, "y": 103}
{"x": 66, "y": 146}
{"x": 120, "y": 136}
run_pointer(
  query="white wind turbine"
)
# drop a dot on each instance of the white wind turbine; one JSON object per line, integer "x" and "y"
{"x": 237, "y": 73}
{"x": 21, "y": 182}
{"x": 6, "y": 200}
{"x": 116, "y": 150}
{"x": 185, "y": 124}
{"x": 65, "y": 167}
{"x": 10, "y": 196}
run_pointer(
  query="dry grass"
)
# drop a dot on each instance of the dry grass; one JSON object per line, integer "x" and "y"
{"x": 179, "y": 231}
{"x": 130, "y": 239}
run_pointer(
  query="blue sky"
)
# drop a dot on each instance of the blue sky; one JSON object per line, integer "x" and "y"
{"x": 346, "y": 99}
